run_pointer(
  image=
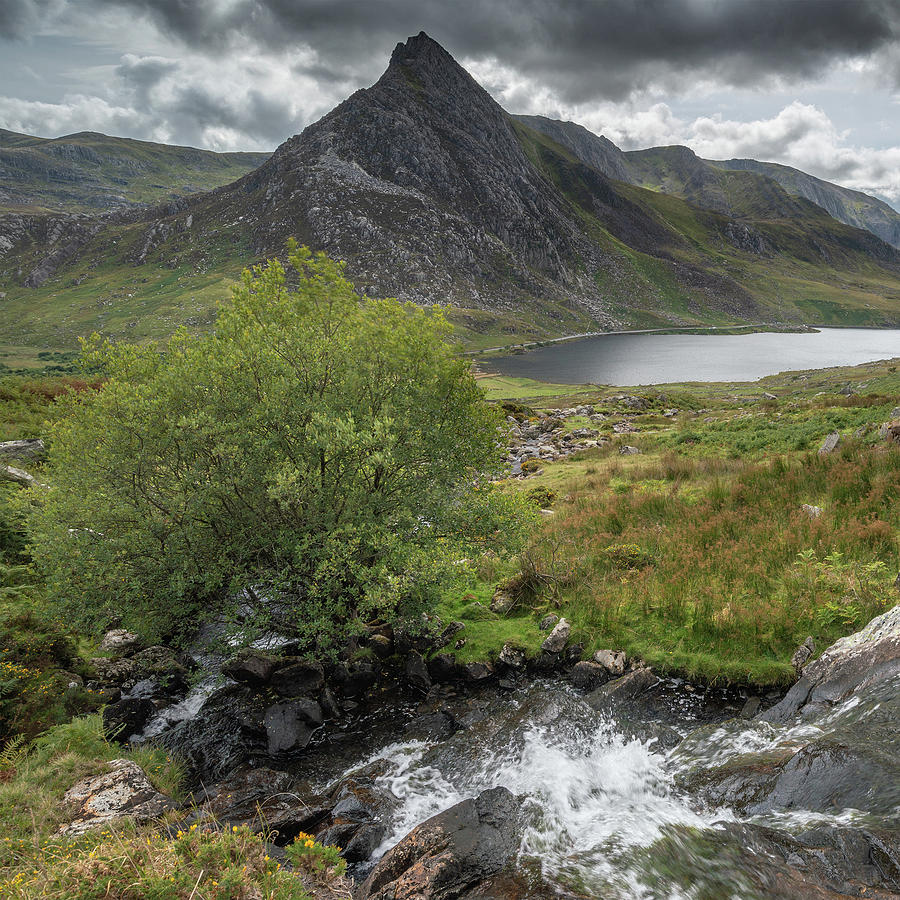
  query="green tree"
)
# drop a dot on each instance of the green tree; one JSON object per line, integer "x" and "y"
{"x": 315, "y": 454}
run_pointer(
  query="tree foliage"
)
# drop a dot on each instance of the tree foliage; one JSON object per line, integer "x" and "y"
{"x": 314, "y": 449}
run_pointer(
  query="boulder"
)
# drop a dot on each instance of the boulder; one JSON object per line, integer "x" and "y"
{"x": 355, "y": 678}
{"x": 120, "y": 642}
{"x": 263, "y": 799}
{"x": 802, "y": 654}
{"x": 812, "y": 511}
{"x": 557, "y": 639}
{"x": 622, "y": 690}
{"x": 450, "y": 853}
{"x": 298, "y": 679}
{"x": 613, "y": 661}
{"x": 126, "y": 717}
{"x": 30, "y": 448}
{"x": 830, "y": 444}
{"x": 225, "y": 732}
{"x": 122, "y": 792}
{"x": 628, "y": 450}
{"x": 289, "y": 726}
{"x": 548, "y": 622}
{"x": 503, "y": 601}
{"x": 417, "y": 672}
{"x": 588, "y": 676}
{"x": 444, "y": 667}
{"x": 360, "y": 811}
{"x": 113, "y": 671}
{"x": 512, "y": 656}
{"x": 251, "y": 668}
{"x": 852, "y": 665}
{"x": 477, "y": 671}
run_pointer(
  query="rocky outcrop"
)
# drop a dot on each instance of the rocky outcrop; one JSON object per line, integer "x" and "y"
{"x": 852, "y": 666}
{"x": 123, "y": 791}
{"x": 31, "y": 448}
{"x": 451, "y": 852}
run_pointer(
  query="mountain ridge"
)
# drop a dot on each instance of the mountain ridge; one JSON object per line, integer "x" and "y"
{"x": 91, "y": 172}
{"x": 431, "y": 192}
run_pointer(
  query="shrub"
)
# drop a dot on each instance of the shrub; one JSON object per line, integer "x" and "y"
{"x": 303, "y": 457}
{"x": 541, "y": 496}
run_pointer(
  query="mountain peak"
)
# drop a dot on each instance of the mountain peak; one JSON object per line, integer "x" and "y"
{"x": 420, "y": 49}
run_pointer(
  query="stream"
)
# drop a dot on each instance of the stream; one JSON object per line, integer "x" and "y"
{"x": 666, "y": 791}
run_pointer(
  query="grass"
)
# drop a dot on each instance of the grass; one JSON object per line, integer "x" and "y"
{"x": 207, "y": 862}
{"x": 697, "y": 556}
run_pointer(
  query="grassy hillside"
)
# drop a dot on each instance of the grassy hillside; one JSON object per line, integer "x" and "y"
{"x": 660, "y": 261}
{"x": 846, "y": 205}
{"x": 717, "y": 492}
{"x": 90, "y": 172}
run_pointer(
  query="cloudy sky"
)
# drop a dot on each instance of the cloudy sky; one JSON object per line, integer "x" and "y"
{"x": 811, "y": 83}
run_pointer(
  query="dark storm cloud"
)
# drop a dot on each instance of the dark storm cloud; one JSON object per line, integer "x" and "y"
{"x": 583, "y": 49}
{"x": 19, "y": 18}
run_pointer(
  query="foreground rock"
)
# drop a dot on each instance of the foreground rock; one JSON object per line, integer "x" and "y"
{"x": 829, "y": 746}
{"x": 451, "y": 853}
{"x": 852, "y": 665}
{"x": 124, "y": 791}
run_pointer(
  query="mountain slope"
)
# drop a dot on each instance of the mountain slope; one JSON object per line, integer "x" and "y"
{"x": 431, "y": 192}
{"x": 712, "y": 184}
{"x": 846, "y": 205}
{"x": 87, "y": 172}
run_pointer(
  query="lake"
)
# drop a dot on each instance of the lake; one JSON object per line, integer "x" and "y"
{"x": 632, "y": 359}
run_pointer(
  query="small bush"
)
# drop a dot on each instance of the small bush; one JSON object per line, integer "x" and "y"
{"x": 541, "y": 496}
{"x": 627, "y": 556}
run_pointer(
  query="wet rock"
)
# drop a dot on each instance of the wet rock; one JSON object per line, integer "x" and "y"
{"x": 478, "y": 671}
{"x": 226, "y": 731}
{"x": 354, "y": 679}
{"x": 443, "y": 668}
{"x": 436, "y": 726}
{"x": 127, "y": 717}
{"x": 830, "y": 444}
{"x": 852, "y": 665}
{"x": 120, "y": 642}
{"x": 588, "y": 676}
{"x": 750, "y": 708}
{"x": 513, "y": 656}
{"x": 557, "y": 639}
{"x": 548, "y": 622}
{"x": 360, "y": 809}
{"x": 263, "y": 798}
{"x": 802, "y": 654}
{"x": 289, "y": 726}
{"x": 123, "y": 791}
{"x": 417, "y": 672}
{"x": 298, "y": 679}
{"x": 251, "y": 668}
{"x": 613, "y": 661}
{"x": 622, "y": 690}
{"x": 451, "y": 852}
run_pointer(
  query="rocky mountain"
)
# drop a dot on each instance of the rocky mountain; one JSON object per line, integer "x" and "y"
{"x": 848, "y": 206}
{"x": 712, "y": 184}
{"x": 90, "y": 172}
{"x": 431, "y": 192}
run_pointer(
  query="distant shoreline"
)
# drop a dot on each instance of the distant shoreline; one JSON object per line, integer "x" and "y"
{"x": 757, "y": 327}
